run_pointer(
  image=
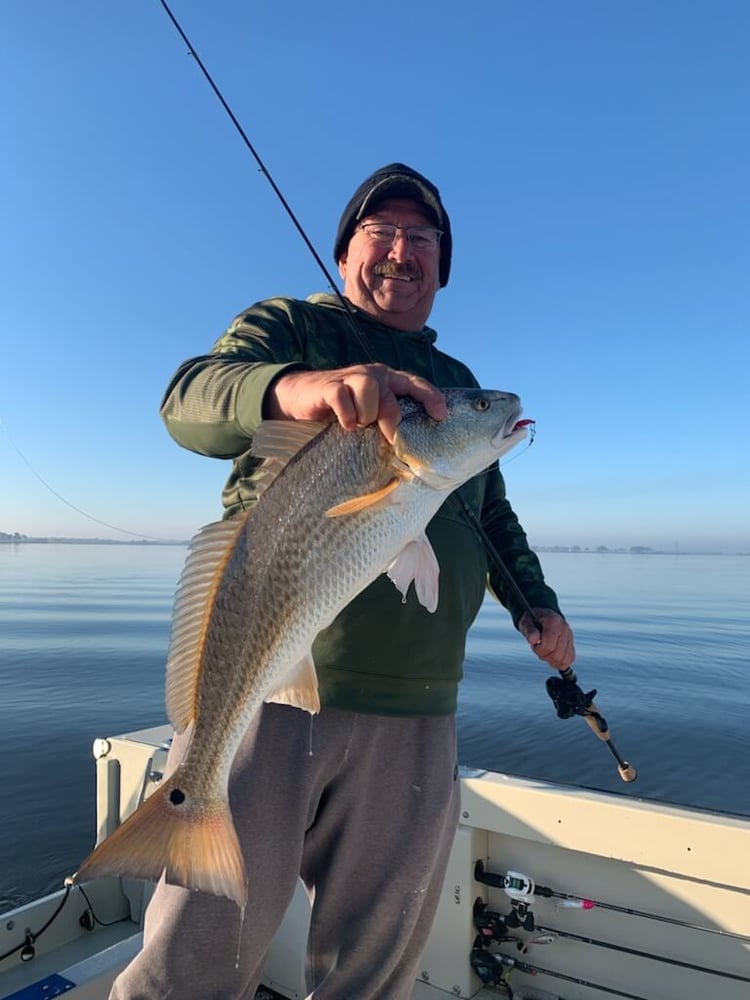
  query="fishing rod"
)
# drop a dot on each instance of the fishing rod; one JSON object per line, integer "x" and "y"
{"x": 564, "y": 691}
{"x": 494, "y": 927}
{"x": 276, "y": 190}
{"x": 567, "y": 694}
{"x": 570, "y": 700}
{"x": 505, "y": 881}
{"x": 495, "y": 970}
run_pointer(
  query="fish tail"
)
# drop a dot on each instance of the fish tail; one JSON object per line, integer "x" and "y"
{"x": 193, "y": 841}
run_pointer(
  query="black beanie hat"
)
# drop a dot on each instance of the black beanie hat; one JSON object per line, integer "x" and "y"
{"x": 396, "y": 181}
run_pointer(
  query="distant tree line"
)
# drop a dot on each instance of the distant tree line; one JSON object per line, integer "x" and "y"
{"x": 634, "y": 549}
{"x": 15, "y": 537}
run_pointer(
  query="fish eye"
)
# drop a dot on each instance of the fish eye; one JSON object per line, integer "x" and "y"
{"x": 482, "y": 403}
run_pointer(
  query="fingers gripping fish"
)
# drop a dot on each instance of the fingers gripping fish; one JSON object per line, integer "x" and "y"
{"x": 337, "y": 508}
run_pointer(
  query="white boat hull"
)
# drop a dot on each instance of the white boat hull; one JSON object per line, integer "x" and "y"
{"x": 688, "y": 869}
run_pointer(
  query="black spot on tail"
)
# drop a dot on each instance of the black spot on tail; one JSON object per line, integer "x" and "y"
{"x": 176, "y": 797}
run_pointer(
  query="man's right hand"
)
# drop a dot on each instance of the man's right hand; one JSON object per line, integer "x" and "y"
{"x": 357, "y": 397}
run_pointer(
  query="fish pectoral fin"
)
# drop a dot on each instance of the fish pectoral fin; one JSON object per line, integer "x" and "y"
{"x": 367, "y": 500}
{"x": 417, "y": 562}
{"x": 299, "y": 688}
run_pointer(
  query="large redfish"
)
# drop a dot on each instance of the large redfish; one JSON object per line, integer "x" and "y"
{"x": 336, "y": 509}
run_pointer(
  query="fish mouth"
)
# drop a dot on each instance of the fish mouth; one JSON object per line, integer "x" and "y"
{"x": 513, "y": 429}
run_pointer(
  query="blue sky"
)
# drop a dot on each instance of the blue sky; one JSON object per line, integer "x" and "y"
{"x": 594, "y": 157}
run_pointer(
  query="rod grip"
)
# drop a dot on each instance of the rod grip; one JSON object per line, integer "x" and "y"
{"x": 594, "y": 725}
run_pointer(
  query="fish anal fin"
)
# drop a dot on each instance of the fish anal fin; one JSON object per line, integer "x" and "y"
{"x": 417, "y": 563}
{"x": 194, "y": 843}
{"x": 210, "y": 551}
{"x": 380, "y": 497}
{"x": 299, "y": 687}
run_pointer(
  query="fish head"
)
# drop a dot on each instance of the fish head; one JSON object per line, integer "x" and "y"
{"x": 479, "y": 427}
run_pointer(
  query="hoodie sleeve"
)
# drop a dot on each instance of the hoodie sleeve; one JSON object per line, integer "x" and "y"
{"x": 214, "y": 402}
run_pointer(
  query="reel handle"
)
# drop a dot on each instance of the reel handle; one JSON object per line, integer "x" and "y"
{"x": 570, "y": 700}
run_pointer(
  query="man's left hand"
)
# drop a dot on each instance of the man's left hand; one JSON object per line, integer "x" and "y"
{"x": 555, "y": 643}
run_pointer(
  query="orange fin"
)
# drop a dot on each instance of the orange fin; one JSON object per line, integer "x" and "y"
{"x": 417, "y": 562}
{"x": 194, "y": 842}
{"x": 357, "y": 504}
{"x": 210, "y": 551}
{"x": 299, "y": 687}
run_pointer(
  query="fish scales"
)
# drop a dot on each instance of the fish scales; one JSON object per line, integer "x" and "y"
{"x": 336, "y": 509}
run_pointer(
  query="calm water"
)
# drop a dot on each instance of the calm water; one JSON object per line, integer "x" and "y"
{"x": 664, "y": 639}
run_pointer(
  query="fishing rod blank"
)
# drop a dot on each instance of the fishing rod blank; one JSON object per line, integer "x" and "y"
{"x": 569, "y": 699}
{"x": 498, "y": 881}
{"x": 626, "y": 772}
{"x": 493, "y": 927}
{"x": 276, "y": 189}
{"x": 494, "y": 970}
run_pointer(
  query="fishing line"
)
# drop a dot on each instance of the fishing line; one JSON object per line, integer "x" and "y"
{"x": 68, "y": 503}
{"x": 626, "y": 772}
{"x": 347, "y": 306}
{"x": 277, "y": 191}
{"x": 349, "y": 310}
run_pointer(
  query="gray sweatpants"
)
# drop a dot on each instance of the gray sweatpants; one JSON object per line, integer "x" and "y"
{"x": 367, "y": 819}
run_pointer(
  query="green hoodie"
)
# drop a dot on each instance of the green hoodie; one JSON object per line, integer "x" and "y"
{"x": 381, "y": 654}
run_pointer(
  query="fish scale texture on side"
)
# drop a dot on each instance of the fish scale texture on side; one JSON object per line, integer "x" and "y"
{"x": 336, "y": 510}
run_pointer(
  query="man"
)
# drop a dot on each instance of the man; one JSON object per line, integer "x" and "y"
{"x": 361, "y": 802}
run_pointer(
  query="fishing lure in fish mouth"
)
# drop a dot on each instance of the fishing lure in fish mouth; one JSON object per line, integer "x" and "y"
{"x": 529, "y": 425}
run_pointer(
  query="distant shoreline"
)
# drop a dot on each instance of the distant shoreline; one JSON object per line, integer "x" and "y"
{"x": 6, "y": 539}
{"x": 633, "y": 550}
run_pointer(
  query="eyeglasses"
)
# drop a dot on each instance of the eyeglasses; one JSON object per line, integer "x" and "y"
{"x": 383, "y": 234}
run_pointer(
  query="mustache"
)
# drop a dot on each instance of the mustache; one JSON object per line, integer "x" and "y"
{"x": 390, "y": 269}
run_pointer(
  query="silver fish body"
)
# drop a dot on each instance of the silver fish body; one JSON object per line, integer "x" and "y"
{"x": 336, "y": 509}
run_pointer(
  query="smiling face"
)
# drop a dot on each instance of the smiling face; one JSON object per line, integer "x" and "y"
{"x": 396, "y": 286}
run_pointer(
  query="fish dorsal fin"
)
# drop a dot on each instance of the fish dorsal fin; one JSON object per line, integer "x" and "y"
{"x": 380, "y": 498}
{"x": 278, "y": 441}
{"x": 282, "y": 439}
{"x": 209, "y": 553}
{"x": 417, "y": 562}
{"x": 299, "y": 687}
